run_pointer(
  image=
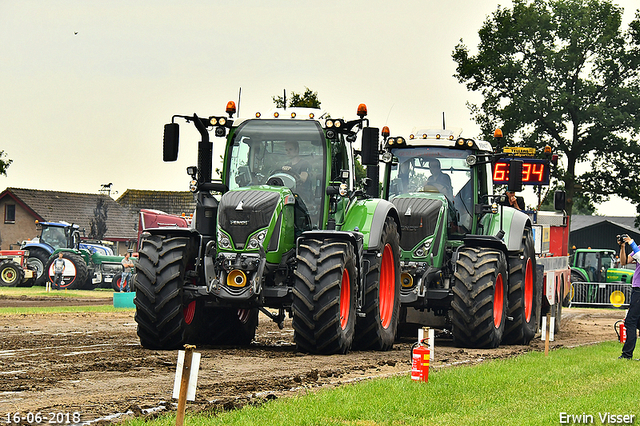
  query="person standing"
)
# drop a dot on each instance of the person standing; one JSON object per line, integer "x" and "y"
{"x": 127, "y": 265}
{"x": 632, "y": 321}
{"x": 58, "y": 269}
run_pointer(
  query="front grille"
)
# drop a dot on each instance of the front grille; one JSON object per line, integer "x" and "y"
{"x": 421, "y": 220}
{"x": 241, "y": 213}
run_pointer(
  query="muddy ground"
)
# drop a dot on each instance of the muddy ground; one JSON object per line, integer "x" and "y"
{"x": 92, "y": 363}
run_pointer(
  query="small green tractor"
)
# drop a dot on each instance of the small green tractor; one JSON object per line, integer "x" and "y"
{"x": 598, "y": 266}
{"x": 595, "y": 278}
{"x": 468, "y": 261}
{"x": 275, "y": 236}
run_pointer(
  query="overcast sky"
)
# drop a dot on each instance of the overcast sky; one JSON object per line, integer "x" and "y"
{"x": 88, "y": 85}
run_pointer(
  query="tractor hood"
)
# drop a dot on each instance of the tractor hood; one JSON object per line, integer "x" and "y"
{"x": 246, "y": 211}
{"x": 419, "y": 216}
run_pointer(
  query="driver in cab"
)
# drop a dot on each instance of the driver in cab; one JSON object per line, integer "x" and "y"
{"x": 296, "y": 166}
{"x": 439, "y": 180}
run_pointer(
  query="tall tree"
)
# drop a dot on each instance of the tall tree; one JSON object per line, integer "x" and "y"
{"x": 563, "y": 73}
{"x": 98, "y": 222}
{"x": 308, "y": 99}
{"x": 4, "y": 163}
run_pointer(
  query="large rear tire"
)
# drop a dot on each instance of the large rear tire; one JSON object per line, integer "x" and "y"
{"x": 479, "y": 307}
{"x": 165, "y": 320}
{"x": 324, "y": 297}
{"x": 74, "y": 277}
{"x": 11, "y": 274}
{"x": 377, "y": 330}
{"x": 525, "y": 297}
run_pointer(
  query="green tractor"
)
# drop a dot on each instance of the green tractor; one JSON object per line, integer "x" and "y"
{"x": 468, "y": 262}
{"x": 88, "y": 265}
{"x": 594, "y": 278}
{"x": 288, "y": 232}
{"x": 597, "y": 266}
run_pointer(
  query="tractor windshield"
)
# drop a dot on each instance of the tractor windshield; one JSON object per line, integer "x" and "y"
{"x": 429, "y": 169}
{"x": 55, "y": 236}
{"x": 280, "y": 152}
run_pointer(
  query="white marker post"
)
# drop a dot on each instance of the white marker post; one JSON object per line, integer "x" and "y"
{"x": 184, "y": 385}
{"x": 430, "y": 333}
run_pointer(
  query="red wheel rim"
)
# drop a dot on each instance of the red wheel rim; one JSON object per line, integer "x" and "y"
{"x": 345, "y": 299}
{"x": 498, "y": 301}
{"x": 528, "y": 291}
{"x": 387, "y": 286}
{"x": 190, "y": 312}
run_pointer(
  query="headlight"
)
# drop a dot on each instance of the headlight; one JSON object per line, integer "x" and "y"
{"x": 257, "y": 239}
{"x": 223, "y": 241}
{"x": 193, "y": 186}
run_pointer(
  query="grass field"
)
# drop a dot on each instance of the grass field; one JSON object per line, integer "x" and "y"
{"x": 39, "y": 292}
{"x": 587, "y": 382}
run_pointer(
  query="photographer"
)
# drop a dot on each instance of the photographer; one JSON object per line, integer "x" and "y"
{"x": 632, "y": 320}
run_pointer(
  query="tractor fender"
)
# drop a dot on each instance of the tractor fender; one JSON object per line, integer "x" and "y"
{"x": 514, "y": 223}
{"x": 177, "y": 232}
{"x": 519, "y": 222}
{"x": 368, "y": 217}
{"x": 581, "y": 272}
{"x": 45, "y": 247}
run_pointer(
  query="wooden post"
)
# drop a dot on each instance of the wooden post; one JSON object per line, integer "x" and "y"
{"x": 546, "y": 340}
{"x": 184, "y": 384}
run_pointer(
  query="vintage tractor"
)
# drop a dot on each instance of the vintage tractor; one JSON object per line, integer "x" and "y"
{"x": 14, "y": 270}
{"x": 289, "y": 231}
{"x": 468, "y": 262}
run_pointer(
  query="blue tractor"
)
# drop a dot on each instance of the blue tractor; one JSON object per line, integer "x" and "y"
{"x": 56, "y": 236}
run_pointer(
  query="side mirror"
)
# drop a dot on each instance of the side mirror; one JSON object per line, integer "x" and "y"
{"x": 559, "y": 200}
{"x": 515, "y": 175}
{"x": 170, "y": 142}
{"x": 369, "y": 152}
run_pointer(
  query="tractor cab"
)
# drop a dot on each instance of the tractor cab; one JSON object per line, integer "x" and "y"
{"x": 433, "y": 166}
{"x": 285, "y": 153}
{"x": 59, "y": 235}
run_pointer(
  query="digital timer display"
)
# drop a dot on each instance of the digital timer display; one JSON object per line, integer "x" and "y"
{"x": 534, "y": 171}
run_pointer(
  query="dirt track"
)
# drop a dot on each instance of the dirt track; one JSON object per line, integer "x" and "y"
{"x": 92, "y": 363}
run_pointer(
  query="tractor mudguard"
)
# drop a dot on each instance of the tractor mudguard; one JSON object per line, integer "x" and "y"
{"x": 368, "y": 217}
{"x": 45, "y": 247}
{"x": 513, "y": 224}
{"x": 178, "y": 232}
{"x": 579, "y": 271}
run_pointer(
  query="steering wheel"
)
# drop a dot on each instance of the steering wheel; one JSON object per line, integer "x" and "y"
{"x": 431, "y": 188}
{"x": 282, "y": 178}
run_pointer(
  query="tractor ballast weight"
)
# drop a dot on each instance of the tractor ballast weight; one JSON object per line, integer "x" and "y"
{"x": 298, "y": 236}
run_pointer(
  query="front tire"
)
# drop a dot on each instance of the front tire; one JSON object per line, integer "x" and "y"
{"x": 116, "y": 282}
{"x": 479, "y": 307}
{"x": 324, "y": 297}
{"x": 377, "y": 330}
{"x": 37, "y": 261}
{"x": 164, "y": 318}
{"x": 11, "y": 274}
{"x": 525, "y": 296}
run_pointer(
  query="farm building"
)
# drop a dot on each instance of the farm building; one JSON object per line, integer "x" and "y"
{"x": 600, "y": 231}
